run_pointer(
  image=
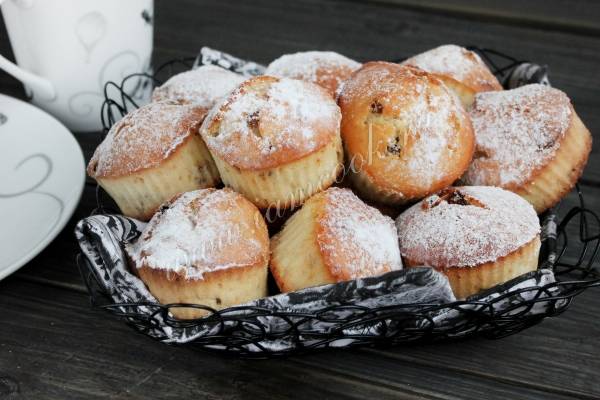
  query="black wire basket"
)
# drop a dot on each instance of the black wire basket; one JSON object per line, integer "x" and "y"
{"x": 326, "y": 317}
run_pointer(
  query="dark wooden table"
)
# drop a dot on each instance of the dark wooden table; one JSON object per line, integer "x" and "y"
{"x": 54, "y": 346}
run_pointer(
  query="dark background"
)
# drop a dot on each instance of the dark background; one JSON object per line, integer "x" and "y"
{"x": 52, "y": 345}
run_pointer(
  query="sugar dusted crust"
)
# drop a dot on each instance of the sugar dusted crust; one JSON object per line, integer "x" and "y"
{"x": 551, "y": 183}
{"x": 465, "y": 227}
{"x": 516, "y": 132}
{"x": 267, "y": 122}
{"x": 355, "y": 240}
{"x": 528, "y": 140}
{"x": 405, "y": 133}
{"x": 457, "y": 65}
{"x": 145, "y": 138}
{"x": 203, "y": 86}
{"x": 324, "y": 68}
{"x": 200, "y": 232}
{"x": 334, "y": 237}
{"x": 208, "y": 247}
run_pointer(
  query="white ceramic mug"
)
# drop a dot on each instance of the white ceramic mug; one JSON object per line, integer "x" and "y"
{"x": 66, "y": 50}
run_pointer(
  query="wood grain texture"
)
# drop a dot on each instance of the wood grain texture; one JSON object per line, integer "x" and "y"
{"x": 52, "y": 345}
{"x": 579, "y": 16}
{"x": 64, "y": 350}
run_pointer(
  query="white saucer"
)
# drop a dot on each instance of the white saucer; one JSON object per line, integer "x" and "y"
{"x": 42, "y": 173}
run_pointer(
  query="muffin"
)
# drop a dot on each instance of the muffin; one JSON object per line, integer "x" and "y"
{"x": 208, "y": 247}
{"x": 478, "y": 236}
{"x": 152, "y": 154}
{"x": 461, "y": 70}
{"x": 334, "y": 237}
{"x": 276, "y": 140}
{"x": 325, "y": 68}
{"x": 405, "y": 134}
{"x": 202, "y": 86}
{"x": 529, "y": 141}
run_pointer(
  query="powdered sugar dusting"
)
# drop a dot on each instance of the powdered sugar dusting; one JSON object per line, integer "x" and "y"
{"x": 199, "y": 232}
{"x": 432, "y": 121}
{"x": 358, "y": 240}
{"x": 269, "y": 116}
{"x": 491, "y": 223}
{"x": 325, "y": 68}
{"x": 455, "y": 61}
{"x": 516, "y": 132}
{"x": 145, "y": 137}
{"x": 203, "y": 86}
{"x": 427, "y": 118}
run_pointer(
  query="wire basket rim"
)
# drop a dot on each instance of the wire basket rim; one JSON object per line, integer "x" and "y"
{"x": 477, "y": 308}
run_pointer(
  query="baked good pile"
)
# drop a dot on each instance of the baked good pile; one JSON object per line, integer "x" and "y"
{"x": 324, "y": 170}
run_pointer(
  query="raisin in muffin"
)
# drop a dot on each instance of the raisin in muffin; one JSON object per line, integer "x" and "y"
{"x": 479, "y": 236}
{"x": 276, "y": 140}
{"x": 405, "y": 134}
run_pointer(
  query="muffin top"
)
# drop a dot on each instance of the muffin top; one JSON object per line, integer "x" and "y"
{"x": 202, "y": 86}
{"x": 466, "y": 226}
{"x": 269, "y": 121}
{"x": 201, "y": 232}
{"x": 355, "y": 240}
{"x": 325, "y": 68}
{"x": 516, "y": 132}
{"x": 459, "y": 64}
{"x": 144, "y": 138}
{"x": 400, "y": 121}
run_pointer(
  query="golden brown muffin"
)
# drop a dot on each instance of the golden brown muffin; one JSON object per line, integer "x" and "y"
{"x": 334, "y": 237}
{"x": 530, "y": 141}
{"x": 208, "y": 247}
{"x": 405, "y": 134}
{"x": 461, "y": 70}
{"x": 276, "y": 140}
{"x": 152, "y": 154}
{"x": 325, "y": 68}
{"x": 479, "y": 236}
{"x": 202, "y": 86}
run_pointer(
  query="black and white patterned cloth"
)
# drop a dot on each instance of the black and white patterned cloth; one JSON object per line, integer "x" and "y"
{"x": 102, "y": 239}
{"x": 208, "y": 56}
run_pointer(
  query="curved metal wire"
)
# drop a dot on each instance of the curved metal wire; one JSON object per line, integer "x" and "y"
{"x": 119, "y": 98}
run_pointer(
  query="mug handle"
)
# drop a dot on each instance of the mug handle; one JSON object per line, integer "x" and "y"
{"x": 37, "y": 83}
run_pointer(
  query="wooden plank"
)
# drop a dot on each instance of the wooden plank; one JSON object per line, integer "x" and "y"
{"x": 560, "y": 354}
{"x": 580, "y": 16}
{"x": 53, "y": 346}
{"x": 557, "y": 356}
